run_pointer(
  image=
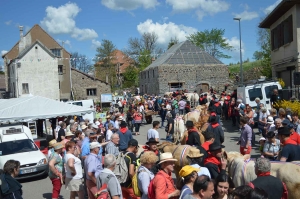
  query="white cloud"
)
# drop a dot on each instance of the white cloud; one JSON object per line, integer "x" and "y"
{"x": 246, "y": 15}
{"x": 202, "y": 7}
{"x": 61, "y": 20}
{"x": 235, "y": 43}
{"x": 129, "y": 4}
{"x": 3, "y": 52}
{"x": 8, "y": 22}
{"x": 271, "y": 7}
{"x": 166, "y": 31}
{"x": 95, "y": 43}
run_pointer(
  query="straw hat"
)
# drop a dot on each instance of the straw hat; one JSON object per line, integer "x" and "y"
{"x": 194, "y": 153}
{"x": 58, "y": 145}
{"x": 69, "y": 133}
{"x": 83, "y": 126}
{"x": 52, "y": 142}
{"x": 165, "y": 157}
{"x": 108, "y": 117}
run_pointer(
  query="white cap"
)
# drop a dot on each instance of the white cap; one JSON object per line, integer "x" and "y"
{"x": 94, "y": 145}
{"x": 95, "y": 126}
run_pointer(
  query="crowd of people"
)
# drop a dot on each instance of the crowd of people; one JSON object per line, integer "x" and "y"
{"x": 98, "y": 159}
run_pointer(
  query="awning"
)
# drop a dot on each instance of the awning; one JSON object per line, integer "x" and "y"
{"x": 36, "y": 107}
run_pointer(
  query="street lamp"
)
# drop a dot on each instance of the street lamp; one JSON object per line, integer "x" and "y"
{"x": 241, "y": 63}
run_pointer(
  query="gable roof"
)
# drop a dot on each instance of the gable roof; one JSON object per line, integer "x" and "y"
{"x": 37, "y": 33}
{"x": 72, "y": 68}
{"x": 185, "y": 53}
{"x": 31, "y": 46}
{"x": 280, "y": 10}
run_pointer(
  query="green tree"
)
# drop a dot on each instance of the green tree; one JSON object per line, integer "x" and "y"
{"x": 258, "y": 55}
{"x": 264, "y": 40}
{"x": 130, "y": 77}
{"x": 212, "y": 41}
{"x": 104, "y": 64}
{"x": 81, "y": 62}
{"x": 144, "y": 59}
{"x": 172, "y": 42}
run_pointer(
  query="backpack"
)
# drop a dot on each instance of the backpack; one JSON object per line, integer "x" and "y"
{"x": 151, "y": 191}
{"x": 134, "y": 182}
{"x": 103, "y": 193}
{"x": 121, "y": 169}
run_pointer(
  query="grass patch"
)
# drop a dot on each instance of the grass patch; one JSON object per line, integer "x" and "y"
{"x": 246, "y": 66}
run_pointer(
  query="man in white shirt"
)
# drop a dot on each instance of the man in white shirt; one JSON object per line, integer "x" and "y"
{"x": 153, "y": 133}
{"x": 109, "y": 132}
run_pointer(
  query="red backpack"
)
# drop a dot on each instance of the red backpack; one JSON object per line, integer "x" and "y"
{"x": 151, "y": 190}
{"x": 103, "y": 193}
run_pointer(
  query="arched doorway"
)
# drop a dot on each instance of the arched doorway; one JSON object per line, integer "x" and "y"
{"x": 204, "y": 85}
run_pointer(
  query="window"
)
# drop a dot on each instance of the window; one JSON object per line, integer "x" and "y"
{"x": 254, "y": 93}
{"x": 60, "y": 69}
{"x": 77, "y": 103}
{"x": 269, "y": 90}
{"x": 56, "y": 52}
{"x": 25, "y": 88}
{"x": 17, "y": 146}
{"x": 282, "y": 34}
{"x": 91, "y": 92}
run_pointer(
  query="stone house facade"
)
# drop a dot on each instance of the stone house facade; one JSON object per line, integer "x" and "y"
{"x": 36, "y": 33}
{"x": 35, "y": 73}
{"x": 284, "y": 25}
{"x": 87, "y": 87}
{"x": 183, "y": 66}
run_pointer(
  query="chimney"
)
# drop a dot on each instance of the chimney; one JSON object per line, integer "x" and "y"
{"x": 22, "y": 40}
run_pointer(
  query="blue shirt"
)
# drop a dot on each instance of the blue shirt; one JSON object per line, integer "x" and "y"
{"x": 92, "y": 164}
{"x": 185, "y": 191}
{"x": 106, "y": 124}
{"x": 85, "y": 148}
{"x": 124, "y": 139}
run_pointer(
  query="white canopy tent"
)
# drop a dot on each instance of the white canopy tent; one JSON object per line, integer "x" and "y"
{"x": 36, "y": 107}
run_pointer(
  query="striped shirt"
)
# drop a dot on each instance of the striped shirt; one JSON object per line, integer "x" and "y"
{"x": 111, "y": 148}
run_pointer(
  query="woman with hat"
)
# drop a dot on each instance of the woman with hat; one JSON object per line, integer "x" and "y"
{"x": 148, "y": 160}
{"x": 50, "y": 147}
{"x": 163, "y": 183}
{"x": 195, "y": 158}
{"x": 271, "y": 146}
{"x": 56, "y": 169}
{"x": 270, "y": 124}
{"x": 151, "y": 145}
{"x": 188, "y": 175}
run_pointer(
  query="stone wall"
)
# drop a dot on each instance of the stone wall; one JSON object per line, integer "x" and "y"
{"x": 190, "y": 75}
{"x": 81, "y": 82}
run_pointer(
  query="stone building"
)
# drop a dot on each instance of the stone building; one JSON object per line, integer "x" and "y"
{"x": 87, "y": 87}
{"x": 184, "y": 66}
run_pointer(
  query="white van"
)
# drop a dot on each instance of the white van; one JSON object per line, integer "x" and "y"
{"x": 86, "y": 104}
{"x": 262, "y": 89}
{"x": 16, "y": 143}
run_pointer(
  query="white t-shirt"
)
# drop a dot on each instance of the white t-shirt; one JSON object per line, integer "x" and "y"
{"x": 152, "y": 133}
{"x": 77, "y": 165}
{"x": 203, "y": 170}
{"x": 108, "y": 135}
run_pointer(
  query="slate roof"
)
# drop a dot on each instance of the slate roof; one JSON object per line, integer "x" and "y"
{"x": 185, "y": 53}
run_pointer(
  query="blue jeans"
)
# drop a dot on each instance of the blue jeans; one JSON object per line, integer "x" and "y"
{"x": 181, "y": 111}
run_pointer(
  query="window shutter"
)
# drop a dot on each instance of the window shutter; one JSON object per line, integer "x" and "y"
{"x": 290, "y": 25}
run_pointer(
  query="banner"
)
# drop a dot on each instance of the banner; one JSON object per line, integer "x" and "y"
{"x": 106, "y": 98}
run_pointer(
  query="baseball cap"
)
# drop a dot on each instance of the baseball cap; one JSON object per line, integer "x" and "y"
{"x": 187, "y": 170}
{"x": 94, "y": 145}
{"x": 133, "y": 142}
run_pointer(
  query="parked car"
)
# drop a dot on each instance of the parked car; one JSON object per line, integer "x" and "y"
{"x": 16, "y": 143}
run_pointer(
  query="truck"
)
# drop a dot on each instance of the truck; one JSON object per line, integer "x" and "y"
{"x": 262, "y": 89}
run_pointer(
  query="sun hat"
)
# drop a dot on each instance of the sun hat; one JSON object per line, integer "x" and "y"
{"x": 194, "y": 153}
{"x": 165, "y": 157}
{"x": 94, "y": 126}
{"x": 97, "y": 123}
{"x": 94, "y": 145}
{"x": 108, "y": 117}
{"x": 152, "y": 140}
{"x": 69, "y": 133}
{"x": 120, "y": 118}
{"x": 262, "y": 139}
{"x": 58, "y": 145}
{"x": 189, "y": 123}
{"x": 52, "y": 142}
{"x": 83, "y": 126}
{"x": 187, "y": 170}
{"x": 270, "y": 120}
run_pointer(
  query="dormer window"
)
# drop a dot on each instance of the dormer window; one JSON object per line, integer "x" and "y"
{"x": 56, "y": 52}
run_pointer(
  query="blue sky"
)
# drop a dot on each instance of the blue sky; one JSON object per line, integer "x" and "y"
{"x": 83, "y": 24}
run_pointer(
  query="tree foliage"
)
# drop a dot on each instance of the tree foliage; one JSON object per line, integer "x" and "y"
{"x": 144, "y": 59}
{"x": 258, "y": 55}
{"x": 81, "y": 62}
{"x": 130, "y": 76}
{"x": 212, "y": 41}
{"x": 264, "y": 40}
{"x": 172, "y": 42}
{"x": 104, "y": 66}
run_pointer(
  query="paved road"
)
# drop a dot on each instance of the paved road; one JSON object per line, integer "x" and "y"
{"x": 42, "y": 187}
